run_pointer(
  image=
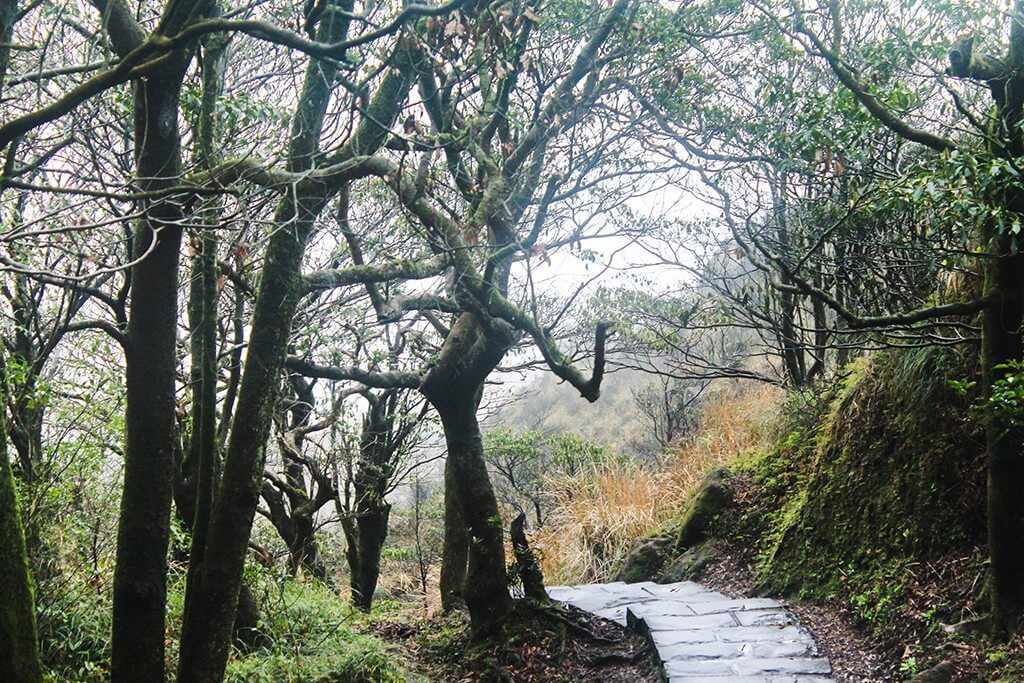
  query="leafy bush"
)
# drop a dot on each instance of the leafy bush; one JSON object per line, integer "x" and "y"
{"x": 310, "y": 638}
{"x": 309, "y": 634}
{"x": 74, "y": 629}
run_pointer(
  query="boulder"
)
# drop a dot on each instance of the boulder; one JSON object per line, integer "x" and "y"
{"x": 943, "y": 673}
{"x": 645, "y": 559}
{"x": 712, "y": 498}
{"x": 688, "y": 566}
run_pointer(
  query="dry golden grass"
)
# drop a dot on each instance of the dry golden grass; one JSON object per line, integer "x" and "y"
{"x": 598, "y": 516}
{"x": 736, "y": 420}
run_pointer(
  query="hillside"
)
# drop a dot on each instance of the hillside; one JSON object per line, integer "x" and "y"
{"x": 549, "y": 404}
{"x": 868, "y": 502}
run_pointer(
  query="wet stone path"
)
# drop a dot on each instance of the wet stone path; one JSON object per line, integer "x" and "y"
{"x": 701, "y": 635}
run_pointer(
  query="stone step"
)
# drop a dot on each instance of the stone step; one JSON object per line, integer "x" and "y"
{"x": 748, "y": 666}
{"x": 749, "y": 679}
{"x": 702, "y": 635}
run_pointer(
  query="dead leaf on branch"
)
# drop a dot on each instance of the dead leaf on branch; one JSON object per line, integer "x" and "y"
{"x": 454, "y": 28}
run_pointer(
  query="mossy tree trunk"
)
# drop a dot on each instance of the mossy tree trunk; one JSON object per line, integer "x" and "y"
{"x": 381, "y": 440}
{"x": 290, "y": 504}
{"x": 527, "y": 567}
{"x": 455, "y": 550}
{"x": 26, "y": 426}
{"x": 485, "y": 589}
{"x": 150, "y": 362}
{"x": 295, "y": 524}
{"x": 197, "y": 481}
{"x": 1001, "y": 344}
{"x": 365, "y": 534}
{"x": 303, "y": 550}
{"x": 19, "y": 648}
{"x": 1002, "y": 349}
{"x": 454, "y": 386}
{"x": 143, "y": 528}
{"x": 200, "y": 467}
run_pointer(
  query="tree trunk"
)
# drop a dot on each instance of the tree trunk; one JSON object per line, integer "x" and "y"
{"x": 248, "y": 635}
{"x": 304, "y": 551}
{"x": 25, "y": 425}
{"x": 485, "y": 589}
{"x": 297, "y": 531}
{"x": 295, "y": 522}
{"x": 210, "y": 616}
{"x": 365, "y": 534}
{"x": 380, "y": 444}
{"x": 200, "y": 474}
{"x": 1001, "y": 344}
{"x": 455, "y": 551}
{"x": 201, "y": 463}
{"x": 150, "y": 430}
{"x": 206, "y": 630}
{"x": 454, "y": 386}
{"x": 526, "y": 562}
{"x": 19, "y": 648}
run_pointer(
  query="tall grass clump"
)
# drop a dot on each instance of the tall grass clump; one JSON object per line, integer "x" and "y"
{"x": 598, "y": 515}
{"x": 600, "y": 512}
{"x": 737, "y": 419}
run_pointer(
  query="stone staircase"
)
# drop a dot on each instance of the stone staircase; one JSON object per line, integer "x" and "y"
{"x": 701, "y": 635}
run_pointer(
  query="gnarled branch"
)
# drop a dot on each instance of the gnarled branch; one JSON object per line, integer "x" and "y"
{"x": 559, "y": 363}
{"x": 394, "y": 379}
{"x": 406, "y": 269}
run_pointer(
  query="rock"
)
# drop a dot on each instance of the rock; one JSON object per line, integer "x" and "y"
{"x": 713, "y": 497}
{"x": 687, "y": 566}
{"x": 974, "y": 627}
{"x": 645, "y": 559}
{"x": 943, "y": 673}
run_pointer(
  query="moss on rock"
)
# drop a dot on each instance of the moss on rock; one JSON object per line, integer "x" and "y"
{"x": 710, "y": 500}
{"x": 645, "y": 559}
{"x": 689, "y": 565}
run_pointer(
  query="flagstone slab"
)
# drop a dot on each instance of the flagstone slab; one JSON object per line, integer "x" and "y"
{"x": 702, "y": 635}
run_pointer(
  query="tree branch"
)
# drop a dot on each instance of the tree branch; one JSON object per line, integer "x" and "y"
{"x": 102, "y": 325}
{"x": 407, "y": 269}
{"x": 883, "y": 114}
{"x": 558, "y": 362}
{"x": 395, "y": 306}
{"x": 376, "y": 380}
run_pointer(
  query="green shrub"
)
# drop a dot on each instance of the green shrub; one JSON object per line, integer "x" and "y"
{"x": 74, "y": 630}
{"x": 310, "y": 637}
{"x": 309, "y": 634}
